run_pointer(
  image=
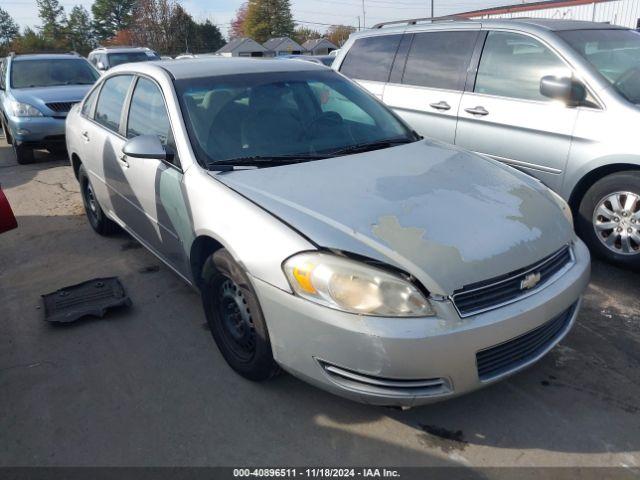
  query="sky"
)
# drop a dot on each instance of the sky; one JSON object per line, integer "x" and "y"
{"x": 315, "y": 14}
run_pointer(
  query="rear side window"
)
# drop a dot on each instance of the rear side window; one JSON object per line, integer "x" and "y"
{"x": 371, "y": 58}
{"x": 512, "y": 65}
{"x": 111, "y": 100}
{"x": 87, "y": 106}
{"x": 147, "y": 114}
{"x": 439, "y": 59}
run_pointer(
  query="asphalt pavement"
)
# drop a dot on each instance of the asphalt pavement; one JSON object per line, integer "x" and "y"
{"x": 147, "y": 386}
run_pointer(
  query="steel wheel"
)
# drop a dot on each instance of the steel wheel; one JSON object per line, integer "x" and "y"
{"x": 616, "y": 221}
{"x": 238, "y": 328}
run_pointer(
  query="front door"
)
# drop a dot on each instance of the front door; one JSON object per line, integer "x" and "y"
{"x": 154, "y": 186}
{"x": 507, "y": 118}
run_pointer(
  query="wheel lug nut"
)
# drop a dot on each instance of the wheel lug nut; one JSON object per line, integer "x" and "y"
{"x": 624, "y": 214}
{"x": 619, "y": 229}
{"x": 616, "y": 219}
{"x": 629, "y": 230}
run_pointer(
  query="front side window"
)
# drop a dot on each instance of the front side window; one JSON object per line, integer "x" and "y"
{"x": 439, "y": 59}
{"x": 512, "y": 65}
{"x": 51, "y": 73}
{"x": 614, "y": 53}
{"x": 111, "y": 100}
{"x": 148, "y": 114}
{"x": 283, "y": 114}
{"x": 371, "y": 58}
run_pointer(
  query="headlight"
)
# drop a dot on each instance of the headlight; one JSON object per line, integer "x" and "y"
{"x": 19, "y": 109}
{"x": 353, "y": 287}
{"x": 564, "y": 206}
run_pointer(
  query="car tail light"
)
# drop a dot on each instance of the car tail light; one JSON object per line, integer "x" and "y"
{"x": 7, "y": 219}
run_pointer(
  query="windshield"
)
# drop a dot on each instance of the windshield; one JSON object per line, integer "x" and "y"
{"x": 51, "y": 73}
{"x": 616, "y": 55}
{"x": 280, "y": 114}
{"x": 129, "y": 57}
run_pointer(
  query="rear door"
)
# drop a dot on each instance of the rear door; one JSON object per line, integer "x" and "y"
{"x": 506, "y": 117}
{"x": 369, "y": 61}
{"x": 429, "y": 86}
{"x": 103, "y": 142}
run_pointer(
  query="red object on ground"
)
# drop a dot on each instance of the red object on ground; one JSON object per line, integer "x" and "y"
{"x": 7, "y": 219}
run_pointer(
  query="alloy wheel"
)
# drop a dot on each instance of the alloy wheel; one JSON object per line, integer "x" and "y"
{"x": 616, "y": 221}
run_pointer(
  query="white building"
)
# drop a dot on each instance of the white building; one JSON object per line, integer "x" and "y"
{"x": 618, "y": 12}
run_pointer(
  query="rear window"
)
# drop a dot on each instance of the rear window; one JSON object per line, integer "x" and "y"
{"x": 371, "y": 58}
{"x": 439, "y": 59}
{"x": 129, "y": 57}
{"x": 51, "y": 73}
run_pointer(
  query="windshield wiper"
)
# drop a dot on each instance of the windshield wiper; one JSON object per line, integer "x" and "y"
{"x": 367, "y": 147}
{"x": 263, "y": 161}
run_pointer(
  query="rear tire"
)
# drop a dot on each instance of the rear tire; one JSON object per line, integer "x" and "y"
{"x": 97, "y": 219}
{"x": 235, "y": 318}
{"x": 609, "y": 219}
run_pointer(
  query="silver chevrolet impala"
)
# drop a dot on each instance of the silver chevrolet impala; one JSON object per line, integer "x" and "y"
{"x": 325, "y": 236}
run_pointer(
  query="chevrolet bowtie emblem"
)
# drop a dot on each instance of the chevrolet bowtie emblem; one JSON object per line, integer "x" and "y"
{"x": 530, "y": 281}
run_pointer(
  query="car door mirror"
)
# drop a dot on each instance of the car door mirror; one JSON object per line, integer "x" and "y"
{"x": 565, "y": 89}
{"x": 101, "y": 66}
{"x": 145, "y": 146}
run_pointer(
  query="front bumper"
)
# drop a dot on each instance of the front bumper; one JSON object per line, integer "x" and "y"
{"x": 37, "y": 132}
{"x": 410, "y": 361}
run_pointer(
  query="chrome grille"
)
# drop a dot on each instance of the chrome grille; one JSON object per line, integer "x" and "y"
{"x": 61, "y": 107}
{"x": 508, "y": 356}
{"x": 482, "y": 296}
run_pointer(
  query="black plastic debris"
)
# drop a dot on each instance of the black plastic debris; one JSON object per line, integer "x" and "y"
{"x": 90, "y": 298}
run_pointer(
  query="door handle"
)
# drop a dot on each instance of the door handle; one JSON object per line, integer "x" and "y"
{"x": 85, "y": 135}
{"x": 123, "y": 160}
{"x": 440, "y": 105}
{"x": 477, "y": 111}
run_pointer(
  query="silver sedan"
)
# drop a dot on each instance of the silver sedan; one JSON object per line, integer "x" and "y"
{"x": 325, "y": 236}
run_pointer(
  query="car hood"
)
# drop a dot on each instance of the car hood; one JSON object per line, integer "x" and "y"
{"x": 38, "y": 97}
{"x": 446, "y": 216}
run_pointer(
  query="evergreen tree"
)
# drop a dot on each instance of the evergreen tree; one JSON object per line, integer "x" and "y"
{"x": 52, "y": 15}
{"x": 111, "y": 16}
{"x": 79, "y": 31}
{"x": 9, "y": 29}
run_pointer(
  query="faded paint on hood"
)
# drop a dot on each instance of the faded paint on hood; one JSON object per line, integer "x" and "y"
{"x": 446, "y": 216}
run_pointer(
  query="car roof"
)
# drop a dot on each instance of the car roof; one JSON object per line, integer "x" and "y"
{"x": 121, "y": 49}
{"x": 525, "y": 23}
{"x": 219, "y": 66}
{"x": 47, "y": 56}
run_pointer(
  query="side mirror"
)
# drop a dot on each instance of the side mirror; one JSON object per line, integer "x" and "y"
{"x": 101, "y": 66}
{"x": 566, "y": 89}
{"x": 145, "y": 146}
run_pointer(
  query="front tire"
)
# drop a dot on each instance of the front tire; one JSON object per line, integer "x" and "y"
{"x": 609, "y": 219}
{"x": 24, "y": 155}
{"x": 97, "y": 219}
{"x": 235, "y": 318}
